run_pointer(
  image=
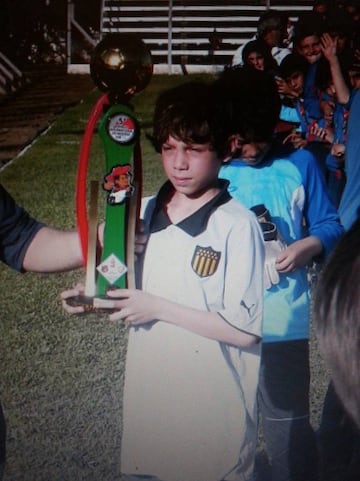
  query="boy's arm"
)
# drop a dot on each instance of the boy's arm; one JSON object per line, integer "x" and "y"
{"x": 138, "y": 307}
{"x": 298, "y": 254}
{"x": 328, "y": 47}
{"x": 321, "y": 217}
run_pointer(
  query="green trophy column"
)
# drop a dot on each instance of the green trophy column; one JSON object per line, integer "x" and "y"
{"x": 119, "y": 132}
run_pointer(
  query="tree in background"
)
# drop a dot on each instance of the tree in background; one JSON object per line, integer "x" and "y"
{"x": 34, "y": 31}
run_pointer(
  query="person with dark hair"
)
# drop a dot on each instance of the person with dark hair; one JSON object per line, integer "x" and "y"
{"x": 337, "y": 309}
{"x": 193, "y": 353}
{"x": 307, "y": 43}
{"x": 308, "y": 31}
{"x": 256, "y": 55}
{"x": 28, "y": 245}
{"x": 336, "y": 87}
{"x": 339, "y": 442}
{"x": 271, "y": 31}
{"x": 291, "y": 85}
{"x": 305, "y": 226}
{"x": 337, "y": 316}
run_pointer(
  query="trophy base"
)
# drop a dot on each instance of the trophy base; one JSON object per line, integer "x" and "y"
{"x": 87, "y": 303}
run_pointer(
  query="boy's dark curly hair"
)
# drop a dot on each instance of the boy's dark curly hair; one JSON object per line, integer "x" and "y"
{"x": 191, "y": 113}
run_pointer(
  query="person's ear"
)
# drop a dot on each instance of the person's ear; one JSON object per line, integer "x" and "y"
{"x": 233, "y": 148}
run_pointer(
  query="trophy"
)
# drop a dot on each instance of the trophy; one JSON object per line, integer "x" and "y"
{"x": 121, "y": 66}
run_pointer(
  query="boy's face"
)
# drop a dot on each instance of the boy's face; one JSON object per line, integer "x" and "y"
{"x": 251, "y": 153}
{"x": 191, "y": 168}
{"x": 354, "y": 77}
{"x": 274, "y": 37}
{"x": 296, "y": 82}
{"x": 256, "y": 60}
{"x": 310, "y": 48}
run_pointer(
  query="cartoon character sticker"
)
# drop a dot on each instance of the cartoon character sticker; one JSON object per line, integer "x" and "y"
{"x": 118, "y": 184}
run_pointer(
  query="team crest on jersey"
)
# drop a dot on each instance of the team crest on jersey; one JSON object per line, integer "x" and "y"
{"x": 205, "y": 261}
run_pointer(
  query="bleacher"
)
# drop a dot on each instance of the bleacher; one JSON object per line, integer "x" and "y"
{"x": 11, "y": 78}
{"x": 191, "y": 35}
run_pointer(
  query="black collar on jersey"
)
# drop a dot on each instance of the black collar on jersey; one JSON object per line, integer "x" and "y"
{"x": 196, "y": 223}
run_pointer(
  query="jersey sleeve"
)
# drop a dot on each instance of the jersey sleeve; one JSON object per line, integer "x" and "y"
{"x": 17, "y": 230}
{"x": 322, "y": 219}
{"x": 243, "y": 284}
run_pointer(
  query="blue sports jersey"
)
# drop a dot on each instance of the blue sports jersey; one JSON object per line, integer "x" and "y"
{"x": 349, "y": 207}
{"x": 293, "y": 190}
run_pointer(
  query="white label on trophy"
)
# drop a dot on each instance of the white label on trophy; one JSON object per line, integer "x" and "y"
{"x": 112, "y": 268}
{"x": 121, "y": 128}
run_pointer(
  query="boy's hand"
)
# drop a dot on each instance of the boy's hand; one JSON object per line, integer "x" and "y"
{"x": 321, "y": 133}
{"x": 328, "y": 47}
{"x": 133, "y": 306}
{"x": 338, "y": 151}
{"x": 140, "y": 239}
{"x": 298, "y": 254}
{"x": 296, "y": 139}
{"x": 77, "y": 290}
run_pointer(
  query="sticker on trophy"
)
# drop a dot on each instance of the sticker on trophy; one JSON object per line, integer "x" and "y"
{"x": 118, "y": 184}
{"x": 122, "y": 128}
{"x": 112, "y": 268}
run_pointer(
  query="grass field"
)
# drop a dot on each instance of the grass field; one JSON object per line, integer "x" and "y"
{"x": 61, "y": 377}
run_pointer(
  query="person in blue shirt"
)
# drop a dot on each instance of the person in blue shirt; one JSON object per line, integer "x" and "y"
{"x": 296, "y": 108}
{"x": 338, "y": 439}
{"x": 349, "y": 207}
{"x": 293, "y": 191}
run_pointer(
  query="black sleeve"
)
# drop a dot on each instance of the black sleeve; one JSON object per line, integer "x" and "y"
{"x": 17, "y": 229}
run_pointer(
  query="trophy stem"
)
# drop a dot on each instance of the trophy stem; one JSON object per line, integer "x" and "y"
{"x": 90, "y": 279}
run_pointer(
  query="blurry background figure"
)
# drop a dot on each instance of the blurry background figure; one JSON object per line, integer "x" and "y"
{"x": 256, "y": 55}
{"x": 350, "y": 200}
{"x": 337, "y": 317}
{"x": 272, "y": 31}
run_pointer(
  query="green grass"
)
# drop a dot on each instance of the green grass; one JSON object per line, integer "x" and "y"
{"x": 61, "y": 376}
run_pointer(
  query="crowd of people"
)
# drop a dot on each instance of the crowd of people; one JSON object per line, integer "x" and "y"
{"x": 316, "y": 64}
{"x": 262, "y": 168}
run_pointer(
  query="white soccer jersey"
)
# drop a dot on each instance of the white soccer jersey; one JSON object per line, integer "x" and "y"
{"x": 189, "y": 401}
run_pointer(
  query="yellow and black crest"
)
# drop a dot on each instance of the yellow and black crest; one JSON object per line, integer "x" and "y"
{"x": 205, "y": 261}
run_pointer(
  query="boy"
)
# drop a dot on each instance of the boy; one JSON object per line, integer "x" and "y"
{"x": 291, "y": 85}
{"x": 308, "y": 31}
{"x": 272, "y": 34}
{"x": 294, "y": 194}
{"x": 193, "y": 352}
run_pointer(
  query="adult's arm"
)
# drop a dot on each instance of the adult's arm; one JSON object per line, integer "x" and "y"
{"x": 28, "y": 245}
{"x": 53, "y": 250}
